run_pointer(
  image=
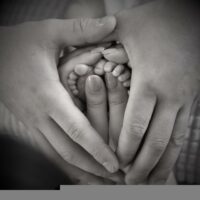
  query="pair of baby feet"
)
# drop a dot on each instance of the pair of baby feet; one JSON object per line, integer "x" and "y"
{"x": 75, "y": 69}
{"x": 108, "y": 65}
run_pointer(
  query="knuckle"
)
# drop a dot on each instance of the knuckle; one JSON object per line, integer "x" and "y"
{"x": 158, "y": 144}
{"x": 135, "y": 131}
{"x": 75, "y": 132}
{"x": 80, "y": 26}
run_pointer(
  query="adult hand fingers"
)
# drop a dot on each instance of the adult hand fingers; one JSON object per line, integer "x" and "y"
{"x": 97, "y": 105}
{"x": 155, "y": 143}
{"x": 75, "y": 174}
{"x": 70, "y": 151}
{"x": 137, "y": 116}
{"x": 76, "y": 126}
{"x": 117, "y": 100}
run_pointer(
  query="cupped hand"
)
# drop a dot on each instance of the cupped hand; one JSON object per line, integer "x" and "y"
{"x": 31, "y": 89}
{"x": 162, "y": 42}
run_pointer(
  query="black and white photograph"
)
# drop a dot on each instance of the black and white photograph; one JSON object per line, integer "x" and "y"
{"x": 99, "y": 92}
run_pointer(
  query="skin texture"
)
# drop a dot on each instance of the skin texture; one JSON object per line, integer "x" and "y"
{"x": 105, "y": 105}
{"x": 162, "y": 42}
{"x": 31, "y": 89}
{"x": 85, "y": 8}
{"x": 96, "y": 111}
{"x": 164, "y": 54}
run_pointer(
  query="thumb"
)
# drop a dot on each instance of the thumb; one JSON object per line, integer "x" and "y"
{"x": 82, "y": 31}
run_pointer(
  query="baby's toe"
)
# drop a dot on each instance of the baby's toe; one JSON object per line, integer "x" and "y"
{"x": 99, "y": 68}
{"x": 109, "y": 66}
{"x": 118, "y": 70}
{"x": 71, "y": 82}
{"x": 81, "y": 69}
{"x": 125, "y": 76}
{"x": 127, "y": 83}
{"x": 75, "y": 92}
{"x": 73, "y": 76}
{"x": 72, "y": 87}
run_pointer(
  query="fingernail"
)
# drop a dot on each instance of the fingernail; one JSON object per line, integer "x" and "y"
{"x": 107, "y": 52}
{"x": 111, "y": 168}
{"x": 106, "y": 20}
{"x": 111, "y": 81}
{"x": 94, "y": 83}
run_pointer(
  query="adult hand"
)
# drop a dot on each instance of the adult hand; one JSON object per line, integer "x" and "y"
{"x": 162, "y": 42}
{"x": 31, "y": 89}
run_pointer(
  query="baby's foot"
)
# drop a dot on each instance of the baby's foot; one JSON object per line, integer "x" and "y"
{"x": 77, "y": 78}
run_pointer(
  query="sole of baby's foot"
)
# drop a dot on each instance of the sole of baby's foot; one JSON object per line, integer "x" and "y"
{"x": 77, "y": 78}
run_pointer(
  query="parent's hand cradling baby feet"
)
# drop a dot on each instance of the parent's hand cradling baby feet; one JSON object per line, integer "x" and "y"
{"x": 31, "y": 89}
{"x": 75, "y": 121}
{"x": 82, "y": 73}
